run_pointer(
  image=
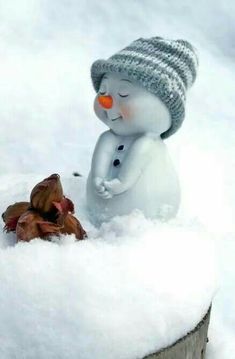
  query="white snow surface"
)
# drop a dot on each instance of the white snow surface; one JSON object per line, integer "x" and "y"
{"x": 133, "y": 287}
{"x": 51, "y": 304}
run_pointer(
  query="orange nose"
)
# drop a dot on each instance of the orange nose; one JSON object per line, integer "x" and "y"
{"x": 106, "y": 101}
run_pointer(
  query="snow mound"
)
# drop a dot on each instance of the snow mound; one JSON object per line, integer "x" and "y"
{"x": 133, "y": 287}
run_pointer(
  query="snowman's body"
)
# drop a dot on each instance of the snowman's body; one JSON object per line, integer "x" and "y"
{"x": 131, "y": 168}
{"x": 156, "y": 190}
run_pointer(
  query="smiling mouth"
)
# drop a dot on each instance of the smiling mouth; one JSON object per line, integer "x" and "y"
{"x": 117, "y": 118}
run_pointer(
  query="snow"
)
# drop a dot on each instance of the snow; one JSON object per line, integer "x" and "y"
{"x": 133, "y": 287}
{"x": 48, "y": 125}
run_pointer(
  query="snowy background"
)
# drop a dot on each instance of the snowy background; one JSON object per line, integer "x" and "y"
{"x": 47, "y": 125}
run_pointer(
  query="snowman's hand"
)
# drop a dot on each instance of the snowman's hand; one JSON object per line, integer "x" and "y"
{"x": 114, "y": 186}
{"x": 98, "y": 184}
{"x": 105, "y": 195}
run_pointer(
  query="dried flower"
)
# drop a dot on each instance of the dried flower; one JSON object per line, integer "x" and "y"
{"x": 48, "y": 213}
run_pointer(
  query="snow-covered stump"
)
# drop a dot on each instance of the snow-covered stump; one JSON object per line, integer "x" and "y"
{"x": 191, "y": 346}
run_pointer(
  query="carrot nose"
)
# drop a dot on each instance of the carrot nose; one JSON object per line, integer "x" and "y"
{"x": 106, "y": 101}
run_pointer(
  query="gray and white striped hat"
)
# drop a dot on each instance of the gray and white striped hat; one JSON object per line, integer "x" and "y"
{"x": 166, "y": 68}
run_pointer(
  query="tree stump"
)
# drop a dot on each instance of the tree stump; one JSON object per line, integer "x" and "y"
{"x": 191, "y": 346}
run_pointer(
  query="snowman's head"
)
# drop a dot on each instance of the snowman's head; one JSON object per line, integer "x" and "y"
{"x": 128, "y": 109}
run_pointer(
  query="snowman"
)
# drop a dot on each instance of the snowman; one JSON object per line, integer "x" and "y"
{"x": 141, "y": 98}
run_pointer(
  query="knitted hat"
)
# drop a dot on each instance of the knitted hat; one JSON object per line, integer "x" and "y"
{"x": 166, "y": 68}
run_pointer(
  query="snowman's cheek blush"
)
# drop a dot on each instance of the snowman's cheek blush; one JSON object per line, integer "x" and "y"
{"x": 126, "y": 111}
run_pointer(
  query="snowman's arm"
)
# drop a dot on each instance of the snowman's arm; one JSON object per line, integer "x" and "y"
{"x": 102, "y": 155}
{"x": 134, "y": 164}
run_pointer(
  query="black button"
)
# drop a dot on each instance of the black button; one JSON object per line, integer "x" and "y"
{"x": 121, "y": 147}
{"x": 116, "y": 162}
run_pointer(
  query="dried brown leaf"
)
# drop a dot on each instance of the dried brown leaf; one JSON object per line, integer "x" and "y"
{"x": 31, "y": 225}
{"x": 45, "y": 193}
{"x": 73, "y": 226}
{"x": 13, "y": 213}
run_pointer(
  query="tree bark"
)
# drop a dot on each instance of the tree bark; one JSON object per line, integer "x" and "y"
{"x": 191, "y": 346}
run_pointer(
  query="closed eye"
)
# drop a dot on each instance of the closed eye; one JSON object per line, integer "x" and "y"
{"x": 102, "y": 93}
{"x": 123, "y": 95}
